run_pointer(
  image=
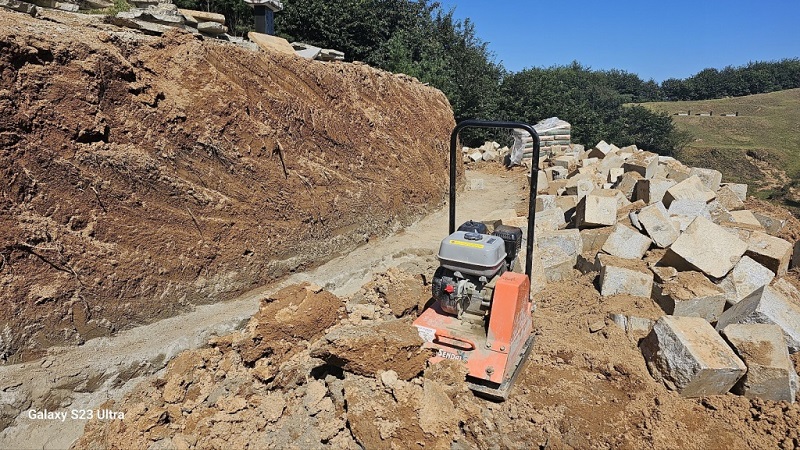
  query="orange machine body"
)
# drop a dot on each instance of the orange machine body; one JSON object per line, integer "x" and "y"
{"x": 492, "y": 352}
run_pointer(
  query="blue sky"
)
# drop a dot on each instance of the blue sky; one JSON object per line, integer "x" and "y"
{"x": 654, "y": 39}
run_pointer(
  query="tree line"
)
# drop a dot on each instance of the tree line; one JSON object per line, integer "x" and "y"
{"x": 754, "y": 78}
{"x": 421, "y": 39}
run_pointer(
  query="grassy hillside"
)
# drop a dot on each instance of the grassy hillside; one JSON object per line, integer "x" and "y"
{"x": 757, "y": 147}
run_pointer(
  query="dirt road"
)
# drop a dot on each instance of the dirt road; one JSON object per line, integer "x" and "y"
{"x": 76, "y": 378}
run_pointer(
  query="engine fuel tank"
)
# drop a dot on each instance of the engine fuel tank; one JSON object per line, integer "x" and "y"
{"x": 472, "y": 253}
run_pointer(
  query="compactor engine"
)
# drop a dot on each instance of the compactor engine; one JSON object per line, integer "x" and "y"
{"x": 481, "y": 309}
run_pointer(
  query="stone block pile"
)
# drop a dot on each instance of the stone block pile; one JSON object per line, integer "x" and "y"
{"x": 652, "y": 227}
{"x": 489, "y": 151}
{"x": 309, "y": 51}
{"x": 554, "y": 138}
{"x": 158, "y": 17}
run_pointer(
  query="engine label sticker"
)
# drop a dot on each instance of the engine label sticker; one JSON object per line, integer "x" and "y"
{"x": 427, "y": 334}
{"x": 466, "y": 244}
{"x": 460, "y": 356}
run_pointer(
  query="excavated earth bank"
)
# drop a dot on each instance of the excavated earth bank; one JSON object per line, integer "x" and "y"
{"x": 144, "y": 175}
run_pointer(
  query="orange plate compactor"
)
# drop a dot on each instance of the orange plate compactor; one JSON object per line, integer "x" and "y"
{"x": 481, "y": 310}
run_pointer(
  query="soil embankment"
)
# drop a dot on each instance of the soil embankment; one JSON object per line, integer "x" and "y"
{"x": 145, "y": 175}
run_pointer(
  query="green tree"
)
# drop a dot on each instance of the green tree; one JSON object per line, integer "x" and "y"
{"x": 754, "y": 78}
{"x": 593, "y": 102}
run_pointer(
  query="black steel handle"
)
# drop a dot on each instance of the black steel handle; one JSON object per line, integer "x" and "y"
{"x": 472, "y": 123}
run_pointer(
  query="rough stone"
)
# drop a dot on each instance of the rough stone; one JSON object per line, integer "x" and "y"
{"x": 212, "y": 28}
{"x": 746, "y": 217}
{"x": 622, "y": 201}
{"x": 652, "y": 190}
{"x": 476, "y": 156}
{"x": 596, "y": 211}
{"x": 770, "y": 373}
{"x": 594, "y": 238}
{"x": 719, "y": 214}
{"x": 545, "y": 202}
{"x": 567, "y": 203}
{"x": 796, "y": 255}
{"x": 614, "y": 174}
{"x": 729, "y": 199}
{"x": 612, "y": 162}
{"x": 656, "y": 223}
{"x": 141, "y": 25}
{"x": 627, "y": 184}
{"x": 645, "y": 163}
{"x": 549, "y": 220}
{"x": 741, "y": 230}
{"x": 566, "y": 161}
{"x": 588, "y": 162}
{"x": 687, "y": 355}
{"x": 203, "y": 16}
{"x": 662, "y": 274}
{"x": 677, "y": 171}
{"x": 625, "y": 242}
{"x": 15, "y": 5}
{"x": 96, "y": 4}
{"x": 683, "y": 212}
{"x": 63, "y": 6}
{"x": 689, "y": 208}
{"x": 739, "y": 189}
{"x": 690, "y": 294}
{"x": 557, "y": 173}
{"x": 638, "y": 326}
{"x": 787, "y": 289}
{"x": 624, "y": 276}
{"x": 768, "y": 305}
{"x": 163, "y": 13}
{"x": 620, "y": 320}
{"x": 772, "y": 252}
{"x": 271, "y": 43}
{"x": 542, "y": 183}
{"x": 556, "y": 263}
{"x": 711, "y": 178}
{"x": 747, "y": 276}
{"x": 624, "y": 213}
{"x": 370, "y": 348}
{"x": 600, "y": 150}
{"x": 569, "y": 241}
{"x": 773, "y": 225}
{"x": 579, "y": 187}
{"x": 691, "y": 188}
{"x": 556, "y": 187}
{"x": 633, "y": 217}
{"x": 706, "y": 247}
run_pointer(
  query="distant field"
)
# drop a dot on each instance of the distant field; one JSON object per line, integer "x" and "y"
{"x": 766, "y": 130}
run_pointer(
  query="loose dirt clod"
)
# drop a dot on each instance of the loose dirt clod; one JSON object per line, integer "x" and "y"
{"x": 368, "y": 348}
